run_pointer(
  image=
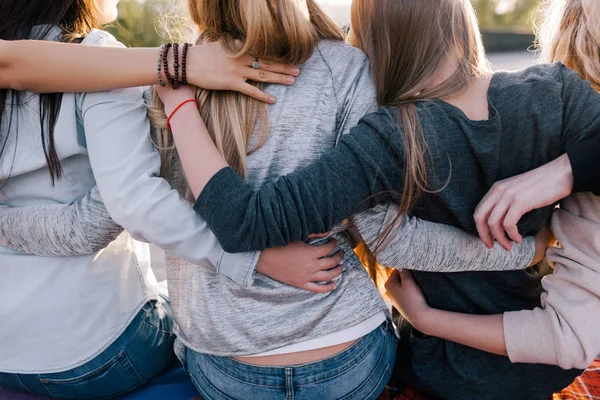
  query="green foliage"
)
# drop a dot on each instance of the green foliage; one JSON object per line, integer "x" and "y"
{"x": 139, "y": 23}
{"x": 491, "y": 14}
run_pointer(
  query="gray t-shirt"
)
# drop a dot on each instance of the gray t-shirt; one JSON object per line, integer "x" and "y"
{"x": 216, "y": 316}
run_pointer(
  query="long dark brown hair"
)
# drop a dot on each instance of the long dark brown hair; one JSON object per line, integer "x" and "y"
{"x": 35, "y": 19}
{"x": 407, "y": 42}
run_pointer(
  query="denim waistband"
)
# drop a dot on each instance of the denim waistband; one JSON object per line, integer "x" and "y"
{"x": 305, "y": 373}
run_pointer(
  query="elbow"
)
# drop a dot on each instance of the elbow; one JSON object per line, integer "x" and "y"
{"x": 237, "y": 239}
{"x": 234, "y": 244}
{"x": 576, "y": 357}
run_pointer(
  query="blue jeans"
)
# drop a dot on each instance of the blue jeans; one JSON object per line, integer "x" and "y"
{"x": 359, "y": 372}
{"x": 143, "y": 351}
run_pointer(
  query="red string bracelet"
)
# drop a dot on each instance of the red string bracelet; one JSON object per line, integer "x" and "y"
{"x": 177, "y": 109}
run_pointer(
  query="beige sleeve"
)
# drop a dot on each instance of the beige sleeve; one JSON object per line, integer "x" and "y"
{"x": 565, "y": 331}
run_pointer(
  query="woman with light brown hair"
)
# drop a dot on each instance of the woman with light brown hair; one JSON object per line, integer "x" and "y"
{"x": 448, "y": 129}
{"x": 564, "y": 330}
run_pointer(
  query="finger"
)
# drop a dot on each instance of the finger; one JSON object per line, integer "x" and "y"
{"x": 481, "y": 216}
{"x": 329, "y": 262}
{"x": 254, "y": 92}
{"x": 510, "y": 224}
{"x": 406, "y": 277}
{"x": 318, "y": 235}
{"x": 279, "y": 68}
{"x": 261, "y": 75}
{"x": 496, "y": 223}
{"x": 393, "y": 281}
{"x": 317, "y": 288}
{"x": 327, "y": 276}
{"x": 325, "y": 249}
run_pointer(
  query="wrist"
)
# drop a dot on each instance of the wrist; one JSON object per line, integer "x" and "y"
{"x": 180, "y": 109}
{"x": 423, "y": 320}
{"x": 564, "y": 174}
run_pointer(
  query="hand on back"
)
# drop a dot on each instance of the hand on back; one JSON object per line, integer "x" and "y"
{"x": 303, "y": 266}
{"x": 508, "y": 200}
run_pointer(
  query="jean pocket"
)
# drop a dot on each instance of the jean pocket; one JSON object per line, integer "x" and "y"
{"x": 114, "y": 377}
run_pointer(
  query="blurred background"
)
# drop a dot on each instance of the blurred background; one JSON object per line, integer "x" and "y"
{"x": 506, "y": 25}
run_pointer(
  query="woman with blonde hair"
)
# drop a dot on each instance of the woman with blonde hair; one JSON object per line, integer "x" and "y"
{"x": 449, "y": 129}
{"x": 564, "y": 330}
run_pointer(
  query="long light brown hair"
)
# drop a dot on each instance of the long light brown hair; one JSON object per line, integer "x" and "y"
{"x": 569, "y": 31}
{"x": 286, "y": 31}
{"x": 407, "y": 43}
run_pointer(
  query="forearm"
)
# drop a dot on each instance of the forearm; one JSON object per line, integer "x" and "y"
{"x": 482, "y": 332}
{"x": 428, "y": 246}
{"x": 74, "y": 67}
{"x": 79, "y": 228}
{"x": 192, "y": 138}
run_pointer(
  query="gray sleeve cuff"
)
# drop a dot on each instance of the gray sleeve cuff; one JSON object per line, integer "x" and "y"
{"x": 239, "y": 267}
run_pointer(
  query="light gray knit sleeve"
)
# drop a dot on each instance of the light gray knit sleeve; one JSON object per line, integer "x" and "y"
{"x": 78, "y": 228}
{"x": 428, "y": 246}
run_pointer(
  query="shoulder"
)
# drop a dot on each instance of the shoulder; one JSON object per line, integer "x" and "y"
{"x": 338, "y": 52}
{"x": 546, "y": 75}
{"x": 383, "y": 122}
{"x": 99, "y": 37}
{"x": 341, "y": 58}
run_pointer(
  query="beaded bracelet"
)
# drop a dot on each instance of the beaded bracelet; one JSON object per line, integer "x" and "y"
{"x": 160, "y": 81}
{"x": 184, "y": 51}
{"x": 179, "y": 70}
{"x": 175, "y": 82}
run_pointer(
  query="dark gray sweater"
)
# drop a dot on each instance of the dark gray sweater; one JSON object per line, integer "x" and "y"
{"x": 534, "y": 115}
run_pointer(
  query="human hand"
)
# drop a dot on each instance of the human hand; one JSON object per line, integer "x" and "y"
{"x": 407, "y": 298}
{"x": 211, "y": 67}
{"x": 302, "y": 265}
{"x": 508, "y": 200}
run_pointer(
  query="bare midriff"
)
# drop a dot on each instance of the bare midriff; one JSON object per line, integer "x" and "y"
{"x": 301, "y": 357}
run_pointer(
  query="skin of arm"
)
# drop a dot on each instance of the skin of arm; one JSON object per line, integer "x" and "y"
{"x": 508, "y": 200}
{"x": 483, "y": 332}
{"x": 85, "y": 68}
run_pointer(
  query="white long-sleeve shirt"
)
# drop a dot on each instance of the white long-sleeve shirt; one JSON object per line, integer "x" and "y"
{"x": 59, "y": 312}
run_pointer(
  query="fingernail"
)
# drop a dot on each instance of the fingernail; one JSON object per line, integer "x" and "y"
{"x": 272, "y": 100}
{"x": 295, "y": 71}
{"x": 291, "y": 79}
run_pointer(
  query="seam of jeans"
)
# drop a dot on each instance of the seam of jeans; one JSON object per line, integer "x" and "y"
{"x": 23, "y": 383}
{"x": 377, "y": 366}
{"x": 199, "y": 372}
{"x": 351, "y": 364}
{"x": 217, "y": 367}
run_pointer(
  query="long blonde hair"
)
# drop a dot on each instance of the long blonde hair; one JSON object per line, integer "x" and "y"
{"x": 273, "y": 30}
{"x": 407, "y": 42}
{"x": 569, "y": 31}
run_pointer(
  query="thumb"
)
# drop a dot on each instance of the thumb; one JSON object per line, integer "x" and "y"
{"x": 394, "y": 281}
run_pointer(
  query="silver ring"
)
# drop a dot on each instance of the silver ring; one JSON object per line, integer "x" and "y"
{"x": 255, "y": 64}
